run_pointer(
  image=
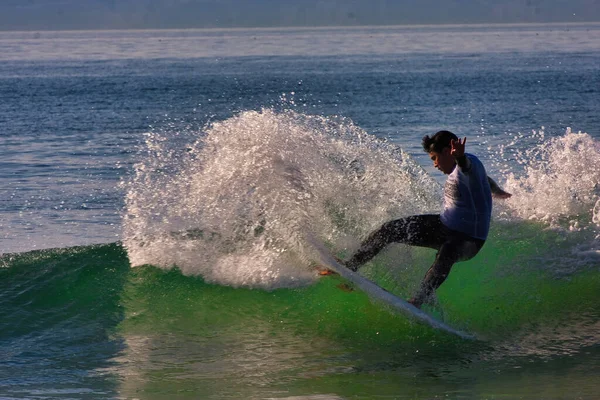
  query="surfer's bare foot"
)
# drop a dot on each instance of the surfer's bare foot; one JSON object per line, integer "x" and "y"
{"x": 326, "y": 271}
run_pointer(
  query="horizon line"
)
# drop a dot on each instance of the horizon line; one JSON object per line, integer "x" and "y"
{"x": 301, "y": 27}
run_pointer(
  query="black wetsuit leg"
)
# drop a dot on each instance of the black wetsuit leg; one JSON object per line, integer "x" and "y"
{"x": 417, "y": 230}
{"x": 424, "y": 231}
{"x": 457, "y": 247}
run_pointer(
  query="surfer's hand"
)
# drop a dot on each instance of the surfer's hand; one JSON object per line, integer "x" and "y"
{"x": 457, "y": 148}
{"x": 501, "y": 195}
{"x": 497, "y": 191}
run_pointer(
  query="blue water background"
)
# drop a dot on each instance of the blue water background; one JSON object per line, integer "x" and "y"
{"x": 75, "y": 105}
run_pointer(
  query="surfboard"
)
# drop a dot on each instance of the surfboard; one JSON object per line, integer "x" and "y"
{"x": 378, "y": 294}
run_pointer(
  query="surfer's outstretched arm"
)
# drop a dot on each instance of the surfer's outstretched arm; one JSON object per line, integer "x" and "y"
{"x": 497, "y": 191}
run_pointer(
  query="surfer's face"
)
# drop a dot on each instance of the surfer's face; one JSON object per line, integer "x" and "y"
{"x": 443, "y": 160}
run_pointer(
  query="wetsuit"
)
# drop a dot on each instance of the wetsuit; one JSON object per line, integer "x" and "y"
{"x": 458, "y": 233}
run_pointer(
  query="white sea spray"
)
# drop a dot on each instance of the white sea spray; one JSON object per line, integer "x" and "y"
{"x": 236, "y": 207}
{"x": 555, "y": 182}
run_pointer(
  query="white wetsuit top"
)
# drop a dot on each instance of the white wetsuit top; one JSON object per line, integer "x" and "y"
{"x": 468, "y": 200}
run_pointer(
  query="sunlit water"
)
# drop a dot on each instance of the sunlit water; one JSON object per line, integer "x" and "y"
{"x": 198, "y": 161}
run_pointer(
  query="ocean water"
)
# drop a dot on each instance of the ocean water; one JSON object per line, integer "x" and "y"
{"x": 158, "y": 188}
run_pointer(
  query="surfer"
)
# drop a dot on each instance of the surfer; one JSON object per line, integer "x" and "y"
{"x": 459, "y": 232}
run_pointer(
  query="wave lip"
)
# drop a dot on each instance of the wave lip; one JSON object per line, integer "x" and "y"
{"x": 236, "y": 206}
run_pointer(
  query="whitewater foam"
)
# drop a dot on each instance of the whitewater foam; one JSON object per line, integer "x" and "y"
{"x": 560, "y": 180}
{"x": 235, "y": 208}
{"x": 555, "y": 183}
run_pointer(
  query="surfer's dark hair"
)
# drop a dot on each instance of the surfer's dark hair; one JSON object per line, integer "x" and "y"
{"x": 438, "y": 142}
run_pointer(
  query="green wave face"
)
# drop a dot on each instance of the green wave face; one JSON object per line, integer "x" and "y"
{"x": 83, "y": 318}
{"x": 58, "y": 312}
